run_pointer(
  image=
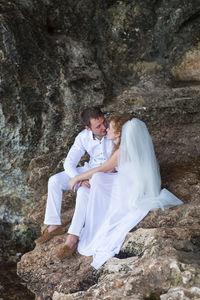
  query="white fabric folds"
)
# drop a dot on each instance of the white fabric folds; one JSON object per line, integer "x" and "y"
{"x": 139, "y": 172}
{"x": 108, "y": 220}
{"x": 119, "y": 201}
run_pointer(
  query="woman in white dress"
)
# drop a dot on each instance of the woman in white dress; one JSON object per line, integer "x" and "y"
{"x": 120, "y": 200}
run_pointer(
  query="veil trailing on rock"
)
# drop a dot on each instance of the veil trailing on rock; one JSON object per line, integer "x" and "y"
{"x": 139, "y": 174}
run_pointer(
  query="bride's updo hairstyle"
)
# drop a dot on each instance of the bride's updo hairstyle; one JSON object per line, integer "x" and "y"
{"x": 118, "y": 122}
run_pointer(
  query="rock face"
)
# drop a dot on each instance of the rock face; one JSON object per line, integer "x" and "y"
{"x": 155, "y": 261}
{"x": 158, "y": 268}
{"x": 58, "y": 57}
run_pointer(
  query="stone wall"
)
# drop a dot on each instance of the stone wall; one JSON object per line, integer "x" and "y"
{"x": 60, "y": 56}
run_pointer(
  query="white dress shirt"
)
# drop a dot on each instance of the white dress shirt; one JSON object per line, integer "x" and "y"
{"x": 98, "y": 150}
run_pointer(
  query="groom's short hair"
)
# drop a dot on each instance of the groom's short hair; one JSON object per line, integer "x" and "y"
{"x": 89, "y": 113}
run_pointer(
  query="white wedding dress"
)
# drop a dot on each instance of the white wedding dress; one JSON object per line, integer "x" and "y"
{"x": 119, "y": 201}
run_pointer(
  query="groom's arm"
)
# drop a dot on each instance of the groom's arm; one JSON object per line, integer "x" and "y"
{"x": 73, "y": 157}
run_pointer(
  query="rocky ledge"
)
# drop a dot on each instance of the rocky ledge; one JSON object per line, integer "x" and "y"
{"x": 158, "y": 260}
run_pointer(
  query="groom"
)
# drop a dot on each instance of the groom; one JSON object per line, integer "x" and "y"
{"x": 93, "y": 141}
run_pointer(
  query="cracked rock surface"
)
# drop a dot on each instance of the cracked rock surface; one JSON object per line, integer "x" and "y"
{"x": 141, "y": 57}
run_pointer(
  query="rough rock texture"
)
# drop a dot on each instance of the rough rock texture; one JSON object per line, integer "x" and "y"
{"x": 160, "y": 256}
{"x": 160, "y": 266}
{"x": 60, "y": 56}
{"x": 131, "y": 56}
{"x": 151, "y": 263}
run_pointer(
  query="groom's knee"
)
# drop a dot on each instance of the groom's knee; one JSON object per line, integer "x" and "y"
{"x": 52, "y": 181}
{"x": 82, "y": 192}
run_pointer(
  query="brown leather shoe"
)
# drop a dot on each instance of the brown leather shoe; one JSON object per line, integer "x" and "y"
{"x": 46, "y": 236}
{"x": 65, "y": 251}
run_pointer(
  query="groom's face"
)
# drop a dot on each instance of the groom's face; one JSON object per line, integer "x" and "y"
{"x": 98, "y": 127}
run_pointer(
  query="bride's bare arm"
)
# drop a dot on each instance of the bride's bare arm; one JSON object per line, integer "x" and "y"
{"x": 107, "y": 166}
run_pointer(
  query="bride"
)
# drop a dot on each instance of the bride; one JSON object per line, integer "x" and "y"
{"x": 123, "y": 190}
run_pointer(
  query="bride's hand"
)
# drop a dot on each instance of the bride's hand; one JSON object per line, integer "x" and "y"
{"x": 72, "y": 183}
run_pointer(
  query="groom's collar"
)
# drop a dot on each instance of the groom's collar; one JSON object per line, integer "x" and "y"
{"x": 95, "y": 138}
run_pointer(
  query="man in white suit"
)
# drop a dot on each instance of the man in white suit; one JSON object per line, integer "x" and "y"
{"x": 93, "y": 141}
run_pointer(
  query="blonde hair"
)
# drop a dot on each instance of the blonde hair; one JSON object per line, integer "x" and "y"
{"x": 118, "y": 122}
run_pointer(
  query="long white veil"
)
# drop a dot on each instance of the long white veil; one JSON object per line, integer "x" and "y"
{"x": 139, "y": 175}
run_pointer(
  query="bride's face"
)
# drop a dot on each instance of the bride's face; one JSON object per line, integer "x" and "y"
{"x": 111, "y": 133}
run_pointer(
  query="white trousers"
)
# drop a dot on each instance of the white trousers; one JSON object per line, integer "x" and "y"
{"x": 56, "y": 185}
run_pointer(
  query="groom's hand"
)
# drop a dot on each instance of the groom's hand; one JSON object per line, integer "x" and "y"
{"x": 85, "y": 183}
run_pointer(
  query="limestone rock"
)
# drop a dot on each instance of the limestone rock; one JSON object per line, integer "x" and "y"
{"x": 48, "y": 272}
{"x": 60, "y": 56}
{"x": 145, "y": 256}
{"x": 181, "y": 293}
{"x": 189, "y": 68}
{"x": 141, "y": 57}
{"x": 161, "y": 267}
